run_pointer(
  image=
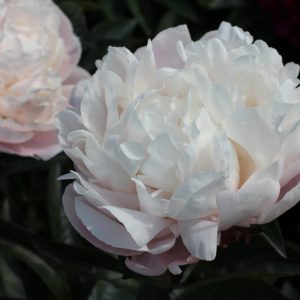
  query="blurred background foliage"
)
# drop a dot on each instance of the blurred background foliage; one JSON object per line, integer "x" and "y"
{"x": 41, "y": 257}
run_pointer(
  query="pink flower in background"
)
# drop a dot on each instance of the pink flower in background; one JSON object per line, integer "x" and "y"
{"x": 38, "y": 67}
{"x": 180, "y": 141}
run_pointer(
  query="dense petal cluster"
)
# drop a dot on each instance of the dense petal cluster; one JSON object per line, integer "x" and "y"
{"x": 180, "y": 141}
{"x": 38, "y": 57}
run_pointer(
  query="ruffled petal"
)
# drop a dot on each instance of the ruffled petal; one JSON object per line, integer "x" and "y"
{"x": 69, "y": 207}
{"x": 141, "y": 226}
{"x": 196, "y": 196}
{"x": 44, "y": 145}
{"x": 105, "y": 228}
{"x": 200, "y": 237}
{"x": 249, "y": 128}
{"x": 238, "y": 207}
{"x": 154, "y": 265}
{"x": 289, "y": 200}
{"x": 165, "y": 46}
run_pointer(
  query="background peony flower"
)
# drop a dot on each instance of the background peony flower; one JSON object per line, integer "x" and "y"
{"x": 38, "y": 57}
{"x": 180, "y": 141}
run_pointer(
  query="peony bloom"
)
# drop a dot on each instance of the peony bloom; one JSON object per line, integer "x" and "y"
{"x": 180, "y": 141}
{"x": 38, "y": 57}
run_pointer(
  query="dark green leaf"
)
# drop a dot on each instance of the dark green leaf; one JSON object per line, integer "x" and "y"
{"x": 59, "y": 225}
{"x": 134, "y": 7}
{"x": 230, "y": 289}
{"x": 290, "y": 291}
{"x": 11, "y": 165}
{"x": 220, "y": 4}
{"x": 5, "y": 208}
{"x": 108, "y": 9}
{"x": 254, "y": 258}
{"x": 89, "y": 260}
{"x": 169, "y": 19}
{"x": 116, "y": 290}
{"x": 228, "y": 4}
{"x": 84, "y": 4}
{"x": 149, "y": 291}
{"x": 46, "y": 273}
{"x": 113, "y": 30}
{"x": 272, "y": 234}
{"x": 183, "y": 8}
{"x": 10, "y": 284}
{"x": 75, "y": 258}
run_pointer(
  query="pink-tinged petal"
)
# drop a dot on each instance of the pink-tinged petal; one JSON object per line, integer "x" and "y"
{"x": 154, "y": 265}
{"x": 290, "y": 172}
{"x": 11, "y": 124}
{"x": 71, "y": 42}
{"x": 103, "y": 227}
{"x": 98, "y": 196}
{"x": 290, "y": 149}
{"x": 289, "y": 200}
{"x": 77, "y": 75}
{"x": 238, "y": 207}
{"x": 69, "y": 207}
{"x": 162, "y": 243}
{"x": 44, "y": 145}
{"x": 141, "y": 226}
{"x": 289, "y": 186}
{"x": 66, "y": 90}
{"x": 14, "y": 137}
{"x": 165, "y": 46}
{"x": 200, "y": 237}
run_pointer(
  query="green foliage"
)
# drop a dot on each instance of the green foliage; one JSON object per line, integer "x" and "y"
{"x": 232, "y": 288}
{"x": 45, "y": 272}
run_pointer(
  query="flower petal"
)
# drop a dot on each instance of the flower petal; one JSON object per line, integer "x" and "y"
{"x": 141, "y": 226}
{"x": 154, "y": 265}
{"x": 150, "y": 204}
{"x": 44, "y": 144}
{"x": 200, "y": 237}
{"x": 69, "y": 207}
{"x": 104, "y": 228}
{"x": 196, "y": 196}
{"x": 289, "y": 200}
{"x": 165, "y": 46}
{"x": 248, "y": 127}
{"x": 14, "y": 137}
{"x": 238, "y": 207}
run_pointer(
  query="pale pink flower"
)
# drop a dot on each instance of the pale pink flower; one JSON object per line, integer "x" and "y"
{"x": 180, "y": 141}
{"x": 38, "y": 67}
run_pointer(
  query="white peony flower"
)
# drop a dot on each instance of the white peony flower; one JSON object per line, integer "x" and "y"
{"x": 38, "y": 57}
{"x": 180, "y": 141}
